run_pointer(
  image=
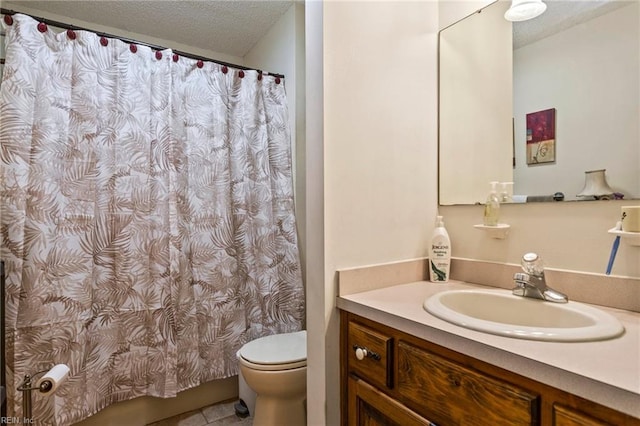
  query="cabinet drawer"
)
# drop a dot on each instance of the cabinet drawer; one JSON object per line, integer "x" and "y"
{"x": 376, "y": 365}
{"x": 450, "y": 393}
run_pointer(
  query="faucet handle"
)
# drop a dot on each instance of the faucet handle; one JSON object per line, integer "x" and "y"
{"x": 532, "y": 264}
{"x": 521, "y": 279}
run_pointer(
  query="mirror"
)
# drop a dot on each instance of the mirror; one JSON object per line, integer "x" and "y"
{"x": 540, "y": 103}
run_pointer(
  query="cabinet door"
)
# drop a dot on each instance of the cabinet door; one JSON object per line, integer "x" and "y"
{"x": 564, "y": 416}
{"x": 454, "y": 394}
{"x": 370, "y": 407}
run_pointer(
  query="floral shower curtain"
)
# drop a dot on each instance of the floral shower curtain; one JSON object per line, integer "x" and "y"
{"x": 147, "y": 219}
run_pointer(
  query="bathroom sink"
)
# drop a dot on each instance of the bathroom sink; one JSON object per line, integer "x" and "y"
{"x": 502, "y": 313}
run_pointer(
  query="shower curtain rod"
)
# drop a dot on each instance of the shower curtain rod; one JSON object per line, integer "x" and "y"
{"x": 128, "y": 40}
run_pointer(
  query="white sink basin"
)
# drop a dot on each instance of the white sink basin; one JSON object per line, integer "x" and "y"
{"x": 502, "y": 313}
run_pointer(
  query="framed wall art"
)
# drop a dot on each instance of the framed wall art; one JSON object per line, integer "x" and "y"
{"x": 541, "y": 136}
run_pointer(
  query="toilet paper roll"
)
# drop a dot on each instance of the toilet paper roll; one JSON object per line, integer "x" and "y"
{"x": 630, "y": 218}
{"x": 52, "y": 379}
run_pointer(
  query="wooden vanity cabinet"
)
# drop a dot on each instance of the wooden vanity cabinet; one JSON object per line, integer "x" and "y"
{"x": 391, "y": 378}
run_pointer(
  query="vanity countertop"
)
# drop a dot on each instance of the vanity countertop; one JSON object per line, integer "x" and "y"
{"x": 607, "y": 372}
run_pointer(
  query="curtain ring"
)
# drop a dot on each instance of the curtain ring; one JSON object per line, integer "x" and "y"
{"x": 158, "y": 55}
{"x": 259, "y": 75}
{"x": 8, "y": 19}
{"x": 104, "y": 41}
{"x": 71, "y": 34}
{"x": 277, "y": 80}
{"x": 133, "y": 48}
{"x": 175, "y": 57}
{"x": 241, "y": 74}
{"x": 200, "y": 64}
{"x": 42, "y": 27}
{"x": 225, "y": 69}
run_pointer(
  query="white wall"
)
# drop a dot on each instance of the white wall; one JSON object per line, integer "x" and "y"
{"x": 320, "y": 300}
{"x": 379, "y": 158}
{"x": 594, "y": 89}
{"x": 571, "y": 236}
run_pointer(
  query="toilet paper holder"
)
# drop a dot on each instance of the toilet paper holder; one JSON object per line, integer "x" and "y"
{"x": 27, "y": 386}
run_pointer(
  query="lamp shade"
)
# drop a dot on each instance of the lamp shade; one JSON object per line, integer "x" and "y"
{"x": 521, "y": 10}
{"x": 595, "y": 185}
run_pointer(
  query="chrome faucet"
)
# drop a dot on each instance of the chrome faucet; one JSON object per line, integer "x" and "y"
{"x": 531, "y": 282}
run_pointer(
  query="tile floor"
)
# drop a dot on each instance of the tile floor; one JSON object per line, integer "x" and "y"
{"x": 221, "y": 414}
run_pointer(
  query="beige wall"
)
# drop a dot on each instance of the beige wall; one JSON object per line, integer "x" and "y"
{"x": 319, "y": 299}
{"x": 571, "y": 236}
{"x": 379, "y": 157}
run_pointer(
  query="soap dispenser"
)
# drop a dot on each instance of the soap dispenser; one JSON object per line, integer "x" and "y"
{"x": 505, "y": 195}
{"x": 492, "y": 207}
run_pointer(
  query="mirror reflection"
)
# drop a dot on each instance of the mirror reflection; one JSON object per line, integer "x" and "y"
{"x": 551, "y": 104}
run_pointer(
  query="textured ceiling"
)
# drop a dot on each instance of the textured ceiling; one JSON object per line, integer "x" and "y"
{"x": 234, "y": 26}
{"x": 231, "y": 27}
{"x": 560, "y": 15}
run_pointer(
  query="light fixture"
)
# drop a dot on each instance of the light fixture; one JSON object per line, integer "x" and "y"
{"x": 521, "y": 10}
{"x": 596, "y": 186}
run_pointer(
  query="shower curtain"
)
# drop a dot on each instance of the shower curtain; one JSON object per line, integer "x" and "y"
{"x": 147, "y": 218}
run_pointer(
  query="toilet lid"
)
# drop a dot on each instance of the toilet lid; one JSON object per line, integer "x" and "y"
{"x": 276, "y": 349}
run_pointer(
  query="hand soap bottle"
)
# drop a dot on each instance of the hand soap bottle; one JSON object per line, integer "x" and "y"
{"x": 492, "y": 207}
{"x": 505, "y": 195}
{"x": 439, "y": 253}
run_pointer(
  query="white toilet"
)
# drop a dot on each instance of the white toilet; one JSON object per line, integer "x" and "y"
{"x": 275, "y": 368}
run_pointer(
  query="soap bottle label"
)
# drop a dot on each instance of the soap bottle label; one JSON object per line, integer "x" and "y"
{"x": 438, "y": 271}
{"x": 439, "y": 262}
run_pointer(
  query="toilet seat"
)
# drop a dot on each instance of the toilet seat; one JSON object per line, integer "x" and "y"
{"x": 276, "y": 352}
{"x": 273, "y": 367}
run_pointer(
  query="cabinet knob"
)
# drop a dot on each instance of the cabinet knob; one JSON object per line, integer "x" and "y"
{"x": 362, "y": 353}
